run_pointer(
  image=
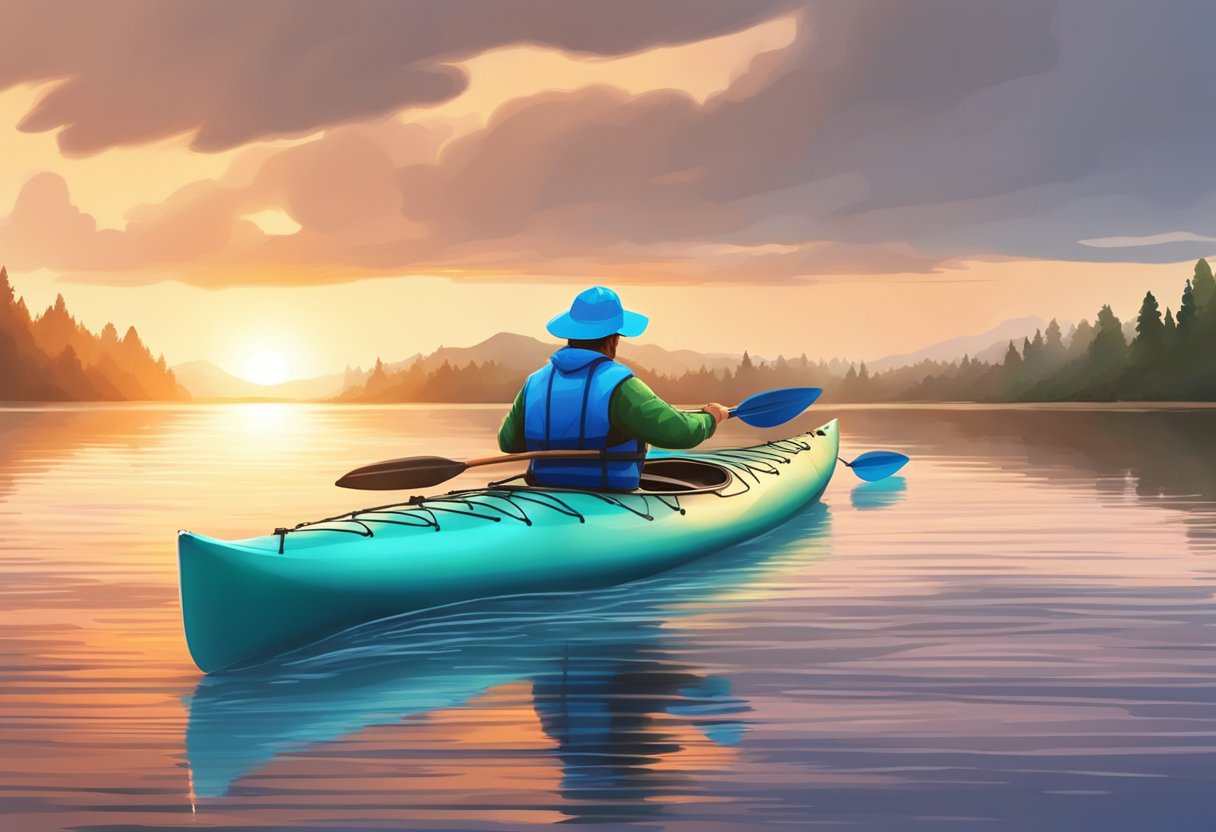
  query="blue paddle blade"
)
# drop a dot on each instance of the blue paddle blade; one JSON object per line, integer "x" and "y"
{"x": 877, "y": 465}
{"x": 775, "y": 407}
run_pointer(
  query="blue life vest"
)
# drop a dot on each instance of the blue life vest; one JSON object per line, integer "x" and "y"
{"x": 566, "y": 408}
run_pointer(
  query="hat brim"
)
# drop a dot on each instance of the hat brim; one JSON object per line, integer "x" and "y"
{"x": 635, "y": 324}
{"x": 631, "y": 325}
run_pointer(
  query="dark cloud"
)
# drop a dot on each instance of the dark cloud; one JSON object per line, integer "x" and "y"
{"x": 232, "y": 71}
{"x": 890, "y": 137}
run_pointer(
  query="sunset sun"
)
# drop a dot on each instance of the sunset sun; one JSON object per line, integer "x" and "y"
{"x": 266, "y": 367}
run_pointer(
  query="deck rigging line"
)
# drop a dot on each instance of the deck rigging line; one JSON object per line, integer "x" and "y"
{"x": 502, "y": 501}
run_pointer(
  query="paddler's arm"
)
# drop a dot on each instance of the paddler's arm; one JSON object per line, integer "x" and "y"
{"x": 636, "y": 411}
{"x": 511, "y": 434}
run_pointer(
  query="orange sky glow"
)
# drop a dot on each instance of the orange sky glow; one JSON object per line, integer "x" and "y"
{"x": 292, "y": 245}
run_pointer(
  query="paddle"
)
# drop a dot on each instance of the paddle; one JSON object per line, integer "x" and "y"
{"x": 763, "y": 410}
{"x": 873, "y": 466}
{"x": 775, "y": 407}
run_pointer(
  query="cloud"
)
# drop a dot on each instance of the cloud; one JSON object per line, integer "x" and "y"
{"x": 228, "y": 72}
{"x": 888, "y": 138}
{"x": 1165, "y": 238}
{"x": 45, "y": 227}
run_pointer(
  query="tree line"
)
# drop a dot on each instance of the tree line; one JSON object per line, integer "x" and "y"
{"x": 491, "y": 381}
{"x": 1170, "y": 357}
{"x": 52, "y": 357}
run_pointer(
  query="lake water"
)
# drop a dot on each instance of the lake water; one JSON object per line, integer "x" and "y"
{"x": 1018, "y": 634}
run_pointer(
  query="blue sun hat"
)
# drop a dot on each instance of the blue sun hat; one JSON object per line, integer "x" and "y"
{"x": 597, "y": 313}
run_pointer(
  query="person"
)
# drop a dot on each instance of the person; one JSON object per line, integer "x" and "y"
{"x": 584, "y": 399}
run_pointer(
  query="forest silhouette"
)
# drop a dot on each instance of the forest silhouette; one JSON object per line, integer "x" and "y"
{"x": 1170, "y": 358}
{"x": 52, "y": 357}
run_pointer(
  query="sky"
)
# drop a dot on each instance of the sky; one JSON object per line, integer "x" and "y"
{"x": 333, "y": 181}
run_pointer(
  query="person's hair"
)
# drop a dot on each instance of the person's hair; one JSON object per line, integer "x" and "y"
{"x": 596, "y": 344}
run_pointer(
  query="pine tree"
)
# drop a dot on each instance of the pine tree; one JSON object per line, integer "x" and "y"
{"x": 56, "y": 329}
{"x": 377, "y": 382}
{"x": 21, "y": 369}
{"x": 1053, "y": 343}
{"x": 1109, "y": 345}
{"x": 1013, "y": 359}
{"x": 744, "y": 382}
{"x": 67, "y": 375}
{"x": 1186, "y": 312}
{"x": 1034, "y": 356}
{"x": 1082, "y": 337}
{"x": 1150, "y": 331}
{"x": 1203, "y": 283}
{"x": 1168, "y": 327}
{"x": 9, "y": 315}
{"x": 1203, "y": 338}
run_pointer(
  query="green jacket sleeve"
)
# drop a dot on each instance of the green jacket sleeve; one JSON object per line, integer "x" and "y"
{"x": 511, "y": 434}
{"x": 636, "y": 411}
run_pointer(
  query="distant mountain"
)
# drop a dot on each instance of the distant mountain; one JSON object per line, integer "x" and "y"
{"x": 677, "y": 362}
{"x": 988, "y": 346}
{"x": 523, "y": 352}
{"x": 204, "y": 380}
{"x": 494, "y": 369}
{"x": 515, "y": 352}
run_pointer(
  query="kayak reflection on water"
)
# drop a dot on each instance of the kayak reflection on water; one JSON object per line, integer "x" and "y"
{"x": 605, "y": 686}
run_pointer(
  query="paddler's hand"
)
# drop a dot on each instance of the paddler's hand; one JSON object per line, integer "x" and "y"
{"x": 720, "y": 412}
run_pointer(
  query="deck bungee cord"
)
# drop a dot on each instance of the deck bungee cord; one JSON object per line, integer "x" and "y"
{"x": 513, "y": 502}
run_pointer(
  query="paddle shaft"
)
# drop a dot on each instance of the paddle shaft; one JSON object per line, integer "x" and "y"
{"x": 767, "y": 409}
{"x": 498, "y": 460}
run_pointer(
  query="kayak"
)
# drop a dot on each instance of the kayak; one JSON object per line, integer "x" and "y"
{"x": 246, "y": 600}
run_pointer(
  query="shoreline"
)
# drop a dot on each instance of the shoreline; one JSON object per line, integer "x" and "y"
{"x": 33, "y": 406}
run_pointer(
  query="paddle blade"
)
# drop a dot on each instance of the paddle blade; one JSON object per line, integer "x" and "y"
{"x": 877, "y": 465}
{"x": 398, "y": 474}
{"x": 776, "y": 407}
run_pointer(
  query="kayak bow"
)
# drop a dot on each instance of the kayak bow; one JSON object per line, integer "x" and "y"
{"x": 246, "y": 600}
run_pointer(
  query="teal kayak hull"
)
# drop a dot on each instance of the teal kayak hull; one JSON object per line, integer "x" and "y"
{"x": 246, "y": 600}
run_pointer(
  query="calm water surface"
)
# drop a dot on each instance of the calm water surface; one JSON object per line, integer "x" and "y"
{"x": 1017, "y": 635}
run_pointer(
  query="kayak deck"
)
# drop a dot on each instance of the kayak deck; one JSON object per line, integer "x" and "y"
{"x": 245, "y": 599}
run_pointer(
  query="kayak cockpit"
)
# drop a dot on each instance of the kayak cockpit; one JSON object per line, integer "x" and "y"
{"x": 675, "y": 475}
